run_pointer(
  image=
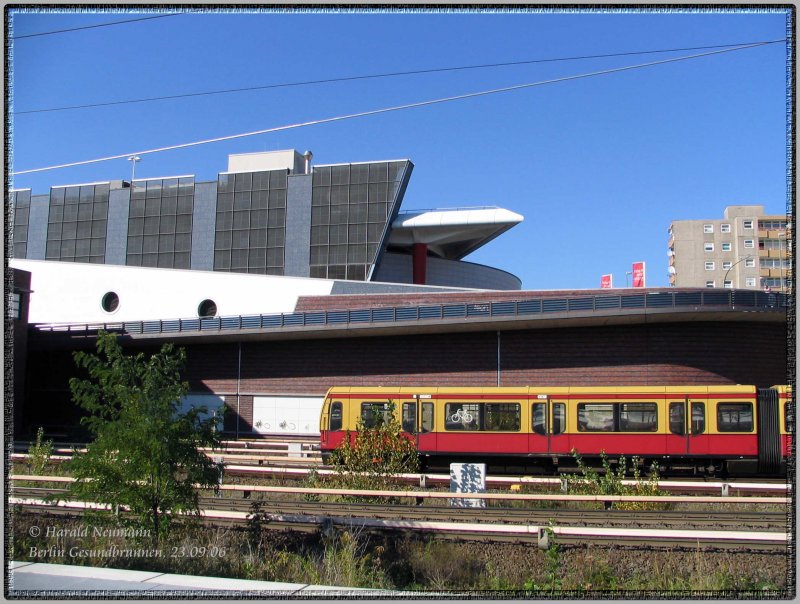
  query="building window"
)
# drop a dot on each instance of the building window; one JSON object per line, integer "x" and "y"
{"x": 750, "y": 281}
{"x": 350, "y": 207}
{"x": 772, "y": 225}
{"x": 727, "y": 284}
{"x": 747, "y": 224}
{"x": 726, "y": 247}
{"x": 77, "y": 222}
{"x": 750, "y": 262}
{"x": 15, "y": 308}
{"x": 110, "y": 302}
{"x": 160, "y": 223}
{"x": 727, "y": 264}
{"x": 709, "y": 266}
{"x": 774, "y": 263}
{"x": 207, "y": 309}
{"x": 724, "y": 228}
{"x": 749, "y": 243}
{"x": 711, "y": 284}
{"x": 708, "y": 228}
{"x": 708, "y": 247}
{"x": 251, "y": 222}
{"x": 21, "y": 207}
{"x": 772, "y": 283}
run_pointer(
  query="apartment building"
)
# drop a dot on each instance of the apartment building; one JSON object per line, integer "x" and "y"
{"x": 746, "y": 249}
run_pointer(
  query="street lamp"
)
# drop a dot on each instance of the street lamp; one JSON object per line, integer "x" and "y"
{"x": 725, "y": 278}
{"x": 133, "y": 159}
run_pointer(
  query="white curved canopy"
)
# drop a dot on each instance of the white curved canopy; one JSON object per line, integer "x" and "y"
{"x": 451, "y": 234}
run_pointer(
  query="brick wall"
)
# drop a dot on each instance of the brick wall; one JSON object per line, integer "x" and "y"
{"x": 672, "y": 354}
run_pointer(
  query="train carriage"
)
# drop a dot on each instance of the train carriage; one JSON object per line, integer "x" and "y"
{"x": 708, "y": 429}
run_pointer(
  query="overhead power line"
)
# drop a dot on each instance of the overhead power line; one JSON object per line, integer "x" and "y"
{"x": 390, "y": 109}
{"x": 379, "y": 75}
{"x": 61, "y": 31}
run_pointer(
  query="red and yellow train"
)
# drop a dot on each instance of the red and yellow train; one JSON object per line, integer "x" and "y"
{"x": 709, "y": 429}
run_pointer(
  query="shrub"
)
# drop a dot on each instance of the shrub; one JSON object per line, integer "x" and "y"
{"x": 609, "y": 481}
{"x": 372, "y": 457}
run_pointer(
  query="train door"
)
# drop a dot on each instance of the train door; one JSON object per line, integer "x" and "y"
{"x": 418, "y": 422}
{"x": 548, "y": 433}
{"x": 688, "y": 432}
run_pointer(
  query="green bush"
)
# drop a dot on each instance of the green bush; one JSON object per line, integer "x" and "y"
{"x": 370, "y": 459}
{"x": 39, "y": 454}
{"x": 609, "y": 481}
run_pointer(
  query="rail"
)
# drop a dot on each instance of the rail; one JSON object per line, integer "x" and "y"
{"x": 749, "y": 299}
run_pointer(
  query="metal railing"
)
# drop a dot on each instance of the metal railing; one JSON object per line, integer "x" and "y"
{"x": 732, "y": 299}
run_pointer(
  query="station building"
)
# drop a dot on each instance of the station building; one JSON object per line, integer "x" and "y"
{"x": 282, "y": 279}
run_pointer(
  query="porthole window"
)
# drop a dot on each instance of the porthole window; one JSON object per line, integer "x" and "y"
{"x": 110, "y": 302}
{"x": 207, "y": 308}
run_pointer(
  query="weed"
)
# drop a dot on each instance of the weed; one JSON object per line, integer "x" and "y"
{"x": 39, "y": 454}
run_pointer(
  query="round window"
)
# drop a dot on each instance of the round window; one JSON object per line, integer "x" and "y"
{"x": 110, "y": 302}
{"x": 207, "y": 308}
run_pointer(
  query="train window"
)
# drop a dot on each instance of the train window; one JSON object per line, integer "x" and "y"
{"x": 559, "y": 418}
{"x": 698, "y": 418}
{"x": 501, "y": 417}
{"x": 461, "y": 416}
{"x": 735, "y": 417}
{"x": 638, "y": 417}
{"x": 427, "y": 417}
{"x": 595, "y": 417}
{"x": 677, "y": 418}
{"x": 336, "y": 416}
{"x": 540, "y": 418}
{"x": 375, "y": 414}
{"x": 410, "y": 417}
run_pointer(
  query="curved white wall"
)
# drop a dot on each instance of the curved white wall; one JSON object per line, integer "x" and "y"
{"x": 397, "y": 268}
{"x": 71, "y": 292}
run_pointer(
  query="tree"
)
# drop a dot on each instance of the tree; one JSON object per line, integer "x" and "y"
{"x": 375, "y": 455}
{"x": 145, "y": 452}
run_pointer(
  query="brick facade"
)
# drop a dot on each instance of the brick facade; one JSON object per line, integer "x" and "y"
{"x": 645, "y": 354}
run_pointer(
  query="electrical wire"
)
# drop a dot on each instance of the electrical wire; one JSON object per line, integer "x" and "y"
{"x": 61, "y": 31}
{"x": 394, "y": 108}
{"x": 379, "y": 75}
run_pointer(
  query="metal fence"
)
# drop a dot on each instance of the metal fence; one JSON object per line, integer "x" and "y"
{"x": 753, "y": 300}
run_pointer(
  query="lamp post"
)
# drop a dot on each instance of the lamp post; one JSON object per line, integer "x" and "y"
{"x": 133, "y": 159}
{"x": 725, "y": 278}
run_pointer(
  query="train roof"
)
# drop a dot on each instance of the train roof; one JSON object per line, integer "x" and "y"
{"x": 411, "y": 391}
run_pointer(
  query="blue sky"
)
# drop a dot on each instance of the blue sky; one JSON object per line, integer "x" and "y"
{"x": 599, "y": 166}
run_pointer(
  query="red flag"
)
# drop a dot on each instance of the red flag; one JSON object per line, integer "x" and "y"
{"x": 638, "y": 274}
{"x": 606, "y": 282}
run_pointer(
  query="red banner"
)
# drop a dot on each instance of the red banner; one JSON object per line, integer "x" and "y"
{"x": 638, "y": 274}
{"x": 606, "y": 281}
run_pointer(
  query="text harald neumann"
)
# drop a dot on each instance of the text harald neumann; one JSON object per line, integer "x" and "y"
{"x": 97, "y": 531}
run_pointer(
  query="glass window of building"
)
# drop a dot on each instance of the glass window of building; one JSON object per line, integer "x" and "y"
{"x": 160, "y": 222}
{"x": 709, "y": 266}
{"x": 351, "y": 206}
{"x": 77, "y": 223}
{"x": 724, "y": 228}
{"x": 710, "y": 284}
{"x": 727, "y": 264}
{"x": 251, "y": 222}
{"x": 21, "y": 207}
{"x": 747, "y": 224}
{"x": 749, "y": 243}
{"x": 708, "y": 228}
{"x": 726, "y": 247}
{"x": 708, "y": 247}
{"x": 727, "y": 284}
{"x": 750, "y": 281}
{"x": 750, "y": 262}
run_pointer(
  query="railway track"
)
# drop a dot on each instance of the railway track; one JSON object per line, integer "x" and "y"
{"x": 749, "y": 530}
